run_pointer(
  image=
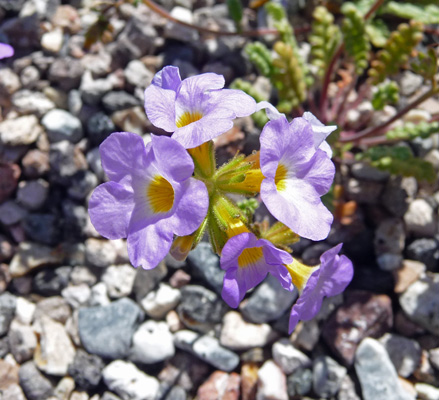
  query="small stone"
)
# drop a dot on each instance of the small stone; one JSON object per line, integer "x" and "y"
{"x": 420, "y": 302}
{"x": 66, "y": 160}
{"x": 426, "y": 392}
{"x": 363, "y": 314}
{"x": 61, "y": 125}
{"x": 179, "y": 279}
{"x": 25, "y": 310}
{"x": 152, "y": 343}
{"x": 377, "y": 374}
{"x": 99, "y": 127}
{"x": 404, "y": 353}
{"x": 389, "y": 237}
{"x": 13, "y": 392}
{"x": 409, "y": 83}
{"x": 237, "y": 334}
{"x": 8, "y": 303}
{"x": 9, "y": 82}
{"x": 157, "y": 303}
{"x": 66, "y": 72}
{"x": 366, "y": 172}
{"x": 129, "y": 382}
{"x": 408, "y": 274}
{"x": 35, "y": 163}
{"x": 8, "y": 374}
{"x": 54, "y": 307}
{"x": 93, "y": 90}
{"x": 64, "y": 389}
{"x": 120, "y": 100}
{"x": 288, "y": 357}
{"x": 107, "y": 331}
{"x": 81, "y": 274}
{"x": 100, "y": 253}
{"x": 137, "y": 74}
{"x": 268, "y": 302}
{"x": 220, "y": 386}
{"x": 347, "y": 390}
{"x": 364, "y": 192}
{"x": 398, "y": 193}
{"x": 77, "y": 295}
{"x": 327, "y": 377}
{"x": 306, "y": 334}
{"x": 56, "y": 351}
{"x": 34, "y": 384}
{"x": 419, "y": 219}
{"x": 147, "y": 280}
{"x": 51, "y": 281}
{"x": 29, "y": 102}
{"x": 426, "y": 251}
{"x": 10, "y": 174}
{"x": 132, "y": 120}
{"x": 32, "y": 194}
{"x": 22, "y": 341}
{"x": 299, "y": 382}
{"x": 99, "y": 296}
{"x": 42, "y": 228}
{"x": 434, "y": 358}
{"x": 20, "y": 131}
{"x": 272, "y": 383}
{"x": 86, "y": 370}
{"x": 119, "y": 280}
{"x": 425, "y": 371}
{"x": 11, "y": 213}
{"x": 52, "y": 41}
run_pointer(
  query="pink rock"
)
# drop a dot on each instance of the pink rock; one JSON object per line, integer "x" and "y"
{"x": 220, "y": 386}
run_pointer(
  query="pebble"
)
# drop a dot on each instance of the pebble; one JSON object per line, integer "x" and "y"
{"x": 65, "y": 161}
{"x": 11, "y": 213}
{"x": 288, "y": 357}
{"x": 34, "y": 384}
{"x": 389, "y": 237}
{"x": 99, "y": 127}
{"x": 13, "y": 392}
{"x": 434, "y": 357}
{"x": 43, "y": 228}
{"x": 56, "y": 351}
{"x": 22, "y": 341}
{"x": 364, "y": 192}
{"x": 152, "y": 343}
{"x": 10, "y": 174}
{"x": 179, "y": 279}
{"x": 64, "y": 389}
{"x": 137, "y": 74}
{"x": 220, "y": 386}
{"x": 31, "y": 102}
{"x": 306, "y": 334}
{"x": 347, "y": 390}
{"x": 51, "y": 281}
{"x": 327, "y": 376}
{"x": 204, "y": 264}
{"x": 299, "y": 382}
{"x": 107, "y": 330}
{"x": 66, "y": 72}
{"x": 119, "y": 280}
{"x": 118, "y": 100}
{"x": 272, "y": 382}
{"x": 129, "y": 382}
{"x": 92, "y": 90}
{"x": 363, "y": 314}
{"x": 409, "y": 83}
{"x": 100, "y": 253}
{"x": 377, "y": 374}
{"x": 61, "y": 125}
{"x": 404, "y": 353}
{"x": 419, "y": 219}
{"x": 77, "y": 295}
{"x": 206, "y": 348}
{"x": 147, "y": 280}
{"x": 426, "y": 392}
{"x": 35, "y": 163}
{"x": 364, "y": 171}
{"x": 20, "y": 131}
{"x": 25, "y": 310}
{"x": 159, "y": 302}
{"x": 8, "y": 303}
{"x": 268, "y": 302}
{"x": 32, "y": 194}
{"x": 99, "y": 296}
{"x": 8, "y": 374}
{"x": 52, "y": 40}
{"x": 408, "y": 274}
{"x": 426, "y": 251}
{"x": 9, "y": 82}
{"x": 86, "y": 370}
{"x": 420, "y": 302}
{"x": 237, "y": 334}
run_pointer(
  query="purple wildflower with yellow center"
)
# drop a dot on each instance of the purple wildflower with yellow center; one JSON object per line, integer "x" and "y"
{"x": 314, "y": 283}
{"x": 196, "y": 109}
{"x": 6, "y": 50}
{"x": 247, "y": 261}
{"x": 296, "y": 175}
{"x": 150, "y": 197}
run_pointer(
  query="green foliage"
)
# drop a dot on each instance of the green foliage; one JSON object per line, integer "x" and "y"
{"x": 363, "y": 6}
{"x": 386, "y": 93}
{"x": 277, "y": 12}
{"x": 396, "y": 51}
{"x": 235, "y": 11}
{"x": 324, "y": 39}
{"x": 426, "y": 65}
{"x": 261, "y": 57}
{"x": 399, "y": 160}
{"x": 427, "y": 14}
{"x": 410, "y": 131}
{"x": 248, "y": 206}
{"x": 378, "y": 32}
{"x": 355, "y": 38}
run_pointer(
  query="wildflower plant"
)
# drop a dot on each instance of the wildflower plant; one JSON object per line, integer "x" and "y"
{"x": 165, "y": 195}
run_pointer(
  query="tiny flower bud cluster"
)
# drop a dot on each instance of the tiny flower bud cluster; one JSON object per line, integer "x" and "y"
{"x": 163, "y": 197}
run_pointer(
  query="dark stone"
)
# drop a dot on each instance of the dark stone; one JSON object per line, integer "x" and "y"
{"x": 10, "y": 174}
{"x": 363, "y": 314}
{"x": 34, "y": 384}
{"x": 299, "y": 382}
{"x": 426, "y": 251}
{"x": 99, "y": 127}
{"x": 4, "y": 346}
{"x": 372, "y": 279}
{"x": 66, "y": 72}
{"x": 200, "y": 308}
{"x": 107, "y": 330}
{"x": 74, "y": 221}
{"x": 42, "y": 228}
{"x": 147, "y": 280}
{"x": 12, "y": 6}
{"x": 311, "y": 255}
{"x": 50, "y": 281}
{"x": 7, "y": 311}
{"x": 120, "y": 100}
{"x": 66, "y": 160}
{"x": 86, "y": 370}
{"x": 205, "y": 265}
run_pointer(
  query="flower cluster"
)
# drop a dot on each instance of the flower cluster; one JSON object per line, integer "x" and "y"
{"x": 165, "y": 195}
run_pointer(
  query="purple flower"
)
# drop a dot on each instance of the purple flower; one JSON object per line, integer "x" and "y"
{"x": 150, "y": 197}
{"x": 330, "y": 279}
{"x": 296, "y": 176}
{"x": 6, "y": 50}
{"x": 196, "y": 109}
{"x": 247, "y": 260}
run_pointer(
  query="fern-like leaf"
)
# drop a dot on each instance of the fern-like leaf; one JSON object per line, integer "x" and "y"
{"x": 410, "y": 131}
{"x": 386, "y": 93}
{"x": 260, "y": 56}
{"x": 427, "y": 14}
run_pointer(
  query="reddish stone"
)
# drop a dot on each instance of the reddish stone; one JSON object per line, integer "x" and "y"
{"x": 220, "y": 386}
{"x": 9, "y": 174}
{"x": 249, "y": 380}
{"x": 363, "y": 314}
{"x": 8, "y": 375}
{"x": 179, "y": 279}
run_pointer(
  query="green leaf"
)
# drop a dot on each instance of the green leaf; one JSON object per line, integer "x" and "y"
{"x": 378, "y": 32}
{"x": 386, "y": 93}
{"x": 235, "y": 10}
{"x": 427, "y": 14}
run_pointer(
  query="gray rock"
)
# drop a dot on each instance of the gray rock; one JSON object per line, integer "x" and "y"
{"x": 207, "y": 348}
{"x": 35, "y": 163}
{"x": 29, "y": 102}
{"x": 311, "y": 255}
{"x": 404, "y": 353}
{"x": 107, "y": 331}
{"x": 364, "y": 192}
{"x": 398, "y": 193}
{"x": 82, "y": 184}
{"x": 75, "y": 219}
{"x": 66, "y": 72}
{"x": 9, "y": 82}
{"x": 77, "y": 295}
{"x": 159, "y": 302}
{"x": 347, "y": 390}
{"x": 137, "y": 74}
{"x": 92, "y": 90}
{"x": 20, "y": 131}
{"x": 389, "y": 261}
{"x": 30, "y": 76}
{"x": 65, "y": 161}
{"x": 94, "y": 162}
{"x": 11, "y": 213}
{"x": 409, "y": 83}
{"x": 205, "y": 264}
{"x": 61, "y": 125}
{"x": 8, "y": 302}
{"x": 119, "y": 280}
{"x": 377, "y": 374}
{"x": 86, "y": 370}
{"x": 419, "y": 218}
{"x": 99, "y": 127}
{"x": 34, "y": 384}
{"x": 327, "y": 376}
{"x": 366, "y": 172}
{"x": 177, "y": 31}
{"x": 22, "y": 341}
{"x": 4, "y": 346}
{"x": 54, "y": 307}
{"x": 120, "y": 100}
{"x": 288, "y": 357}
{"x": 100, "y": 253}
{"x": 426, "y": 251}
{"x": 32, "y": 194}
{"x": 420, "y": 302}
{"x": 426, "y": 392}
{"x": 268, "y": 302}
{"x": 50, "y": 281}
{"x": 389, "y": 237}
{"x": 152, "y": 343}
{"x": 200, "y": 309}
{"x": 434, "y": 357}
{"x": 13, "y": 392}
{"x": 299, "y": 383}
{"x": 43, "y": 228}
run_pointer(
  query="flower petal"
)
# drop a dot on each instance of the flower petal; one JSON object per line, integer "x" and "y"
{"x": 148, "y": 246}
{"x": 236, "y": 100}
{"x": 6, "y": 50}
{"x": 232, "y": 249}
{"x": 160, "y": 107}
{"x": 231, "y": 293}
{"x": 272, "y": 112}
{"x": 110, "y": 207}
{"x": 282, "y": 275}
{"x": 321, "y": 132}
{"x": 168, "y": 78}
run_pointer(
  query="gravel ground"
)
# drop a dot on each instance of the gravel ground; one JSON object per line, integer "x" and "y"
{"x": 78, "y": 322}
